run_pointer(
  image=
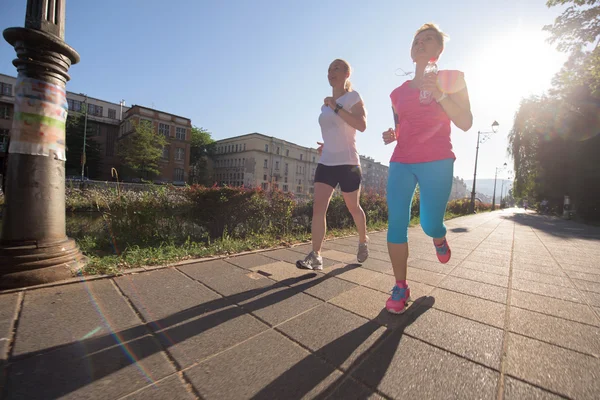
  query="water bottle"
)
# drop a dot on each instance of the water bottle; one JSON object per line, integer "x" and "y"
{"x": 426, "y": 97}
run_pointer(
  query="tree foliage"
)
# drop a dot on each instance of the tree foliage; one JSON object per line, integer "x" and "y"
{"x": 202, "y": 149}
{"x": 74, "y": 141}
{"x": 555, "y": 138}
{"x": 142, "y": 150}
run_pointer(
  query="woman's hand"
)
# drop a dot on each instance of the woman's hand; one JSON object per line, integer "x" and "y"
{"x": 389, "y": 136}
{"x": 330, "y": 102}
{"x": 429, "y": 84}
{"x": 320, "y": 148}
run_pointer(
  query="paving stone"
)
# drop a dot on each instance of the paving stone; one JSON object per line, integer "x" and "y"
{"x": 561, "y": 280}
{"x": 479, "y": 276}
{"x": 378, "y": 265}
{"x": 406, "y": 368}
{"x": 164, "y": 293}
{"x": 470, "y": 339}
{"x": 286, "y": 255}
{"x": 366, "y": 302}
{"x": 329, "y": 288}
{"x": 477, "y": 289}
{"x": 546, "y": 290}
{"x": 71, "y": 372}
{"x": 491, "y": 259}
{"x": 559, "y": 308}
{"x": 350, "y": 389}
{"x": 540, "y": 269}
{"x": 196, "y": 337}
{"x": 583, "y": 276}
{"x": 171, "y": 388}
{"x": 339, "y": 256}
{"x": 580, "y": 337}
{"x": 360, "y": 275}
{"x": 379, "y": 255}
{"x": 280, "y": 270}
{"x": 518, "y": 390}
{"x": 553, "y": 368}
{"x": 70, "y": 313}
{"x": 250, "y": 261}
{"x": 433, "y": 266}
{"x": 334, "y": 334}
{"x": 279, "y": 305}
{"x": 272, "y": 368}
{"x": 486, "y": 311}
{"x": 587, "y": 285}
{"x": 528, "y": 258}
{"x": 593, "y": 298}
{"x": 492, "y": 269}
{"x": 423, "y": 276}
{"x": 225, "y": 278}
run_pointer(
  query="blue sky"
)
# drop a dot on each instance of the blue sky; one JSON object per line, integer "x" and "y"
{"x": 236, "y": 67}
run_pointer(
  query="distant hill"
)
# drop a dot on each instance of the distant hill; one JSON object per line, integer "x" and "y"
{"x": 486, "y": 186}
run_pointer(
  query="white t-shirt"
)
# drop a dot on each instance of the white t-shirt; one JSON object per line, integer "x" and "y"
{"x": 339, "y": 138}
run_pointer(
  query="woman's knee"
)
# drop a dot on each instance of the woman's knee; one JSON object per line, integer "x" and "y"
{"x": 434, "y": 229}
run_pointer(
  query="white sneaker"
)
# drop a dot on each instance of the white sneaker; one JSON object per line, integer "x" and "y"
{"x": 363, "y": 252}
{"x": 312, "y": 261}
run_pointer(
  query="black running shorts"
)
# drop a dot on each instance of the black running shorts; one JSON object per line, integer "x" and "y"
{"x": 347, "y": 176}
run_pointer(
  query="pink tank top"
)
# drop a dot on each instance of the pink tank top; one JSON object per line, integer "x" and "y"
{"x": 422, "y": 131}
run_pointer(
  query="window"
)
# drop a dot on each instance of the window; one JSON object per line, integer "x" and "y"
{"x": 265, "y": 177}
{"x": 276, "y": 179}
{"x": 267, "y": 148}
{"x": 265, "y": 186}
{"x": 299, "y": 189}
{"x": 180, "y": 133}
{"x": 244, "y": 146}
{"x": 287, "y": 153}
{"x": 74, "y": 105}
{"x": 164, "y": 129}
{"x": 278, "y": 151}
{"x": 179, "y": 154}
{"x": 301, "y": 155}
{"x": 285, "y": 179}
{"x": 243, "y": 161}
{"x": 266, "y": 163}
{"x": 299, "y": 182}
{"x": 5, "y": 89}
{"x": 313, "y": 158}
{"x": 165, "y": 154}
{"x": 4, "y": 112}
{"x": 147, "y": 122}
{"x": 236, "y": 148}
{"x": 112, "y": 113}
{"x": 286, "y": 168}
{"x": 277, "y": 165}
{"x": 94, "y": 110}
{"x": 4, "y": 133}
{"x": 285, "y": 188}
{"x": 178, "y": 174}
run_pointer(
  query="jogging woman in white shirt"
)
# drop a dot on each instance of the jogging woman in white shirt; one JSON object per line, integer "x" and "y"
{"x": 341, "y": 115}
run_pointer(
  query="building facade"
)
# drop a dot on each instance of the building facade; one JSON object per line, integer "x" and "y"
{"x": 175, "y": 163}
{"x": 104, "y": 119}
{"x": 107, "y": 122}
{"x": 257, "y": 160}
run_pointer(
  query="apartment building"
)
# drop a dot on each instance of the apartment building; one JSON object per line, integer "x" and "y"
{"x": 257, "y": 160}
{"x": 175, "y": 163}
{"x": 374, "y": 175}
{"x": 104, "y": 119}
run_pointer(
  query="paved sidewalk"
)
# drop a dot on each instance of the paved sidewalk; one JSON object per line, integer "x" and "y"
{"x": 514, "y": 315}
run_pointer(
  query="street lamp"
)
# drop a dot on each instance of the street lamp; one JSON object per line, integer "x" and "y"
{"x": 482, "y": 137}
{"x": 502, "y": 190}
{"x": 494, "y": 195}
{"x": 34, "y": 247}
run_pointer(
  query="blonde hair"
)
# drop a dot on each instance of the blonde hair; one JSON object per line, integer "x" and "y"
{"x": 439, "y": 34}
{"x": 348, "y": 84}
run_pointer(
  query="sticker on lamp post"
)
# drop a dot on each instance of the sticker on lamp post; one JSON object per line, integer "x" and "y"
{"x": 39, "y": 120}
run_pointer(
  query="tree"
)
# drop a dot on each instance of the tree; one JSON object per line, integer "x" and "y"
{"x": 202, "y": 149}
{"x": 74, "y": 142}
{"x": 142, "y": 149}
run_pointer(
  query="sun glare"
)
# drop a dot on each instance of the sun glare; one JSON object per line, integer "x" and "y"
{"x": 513, "y": 66}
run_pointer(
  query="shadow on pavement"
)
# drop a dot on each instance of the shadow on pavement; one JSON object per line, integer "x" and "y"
{"x": 304, "y": 377}
{"x": 57, "y": 371}
{"x": 555, "y": 226}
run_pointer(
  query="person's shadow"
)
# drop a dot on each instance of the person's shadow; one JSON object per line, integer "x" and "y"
{"x": 307, "y": 374}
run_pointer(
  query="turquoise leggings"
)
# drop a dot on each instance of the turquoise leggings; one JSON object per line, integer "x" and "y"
{"x": 435, "y": 183}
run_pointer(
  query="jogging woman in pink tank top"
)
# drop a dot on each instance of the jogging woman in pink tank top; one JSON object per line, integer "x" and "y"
{"x": 423, "y": 155}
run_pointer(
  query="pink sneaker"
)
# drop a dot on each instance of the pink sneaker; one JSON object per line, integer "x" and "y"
{"x": 443, "y": 251}
{"x": 396, "y": 304}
